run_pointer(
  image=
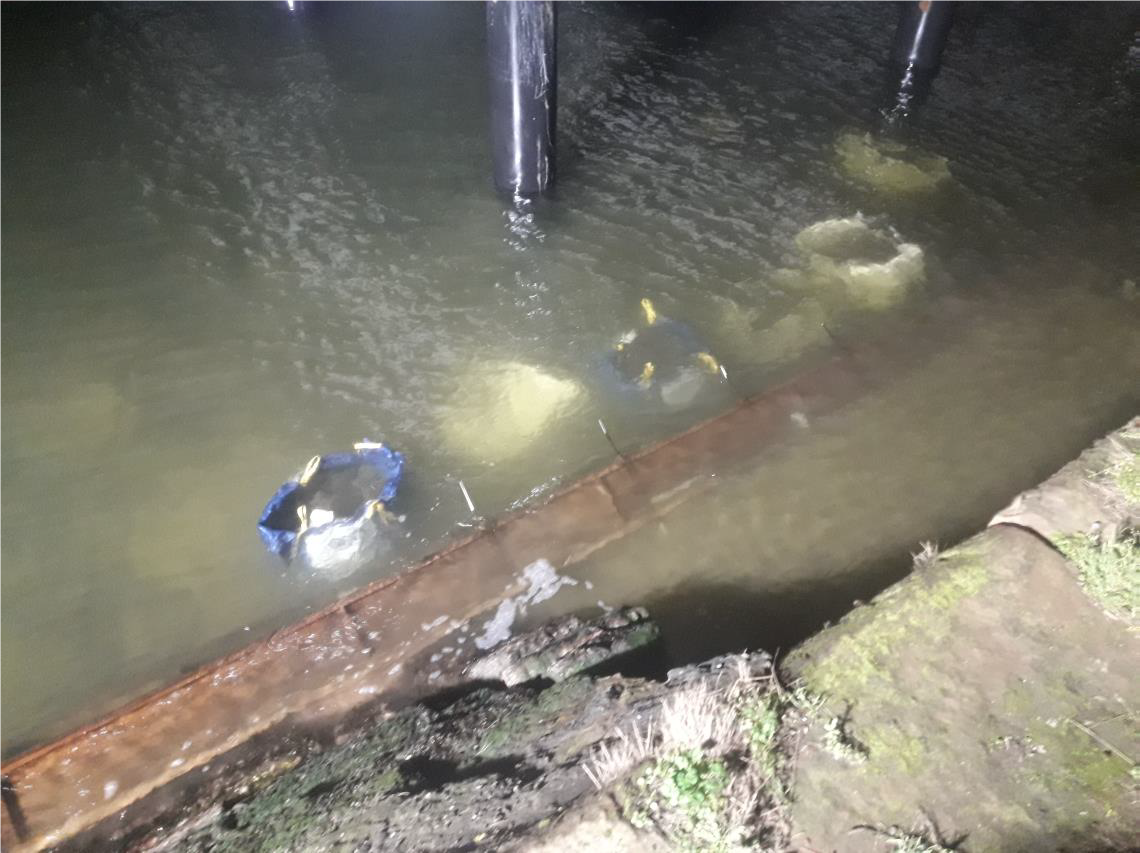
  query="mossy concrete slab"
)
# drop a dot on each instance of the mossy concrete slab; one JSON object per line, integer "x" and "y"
{"x": 1098, "y": 489}
{"x": 993, "y": 698}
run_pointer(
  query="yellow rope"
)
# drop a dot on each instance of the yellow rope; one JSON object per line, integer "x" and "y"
{"x": 310, "y": 470}
{"x": 378, "y": 508}
{"x": 649, "y": 310}
{"x": 708, "y": 362}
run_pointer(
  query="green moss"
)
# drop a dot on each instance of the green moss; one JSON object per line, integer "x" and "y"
{"x": 294, "y": 807}
{"x": 535, "y": 714}
{"x": 892, "y": 749}
{"x": 1089, "y": 770}
{"x": 1018, "y": 701}
{"x": 389, "y": 780}
{"x": 853, "y": 662}
{"x": 918, "y": 610}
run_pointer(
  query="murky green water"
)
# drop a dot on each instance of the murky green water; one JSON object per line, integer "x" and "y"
{"x": 234, "y": 237}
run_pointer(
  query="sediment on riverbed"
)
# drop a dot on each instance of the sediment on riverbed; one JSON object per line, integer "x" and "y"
{"x": 985, "y": 702}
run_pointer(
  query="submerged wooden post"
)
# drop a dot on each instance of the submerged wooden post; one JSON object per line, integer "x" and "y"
{"x": 916, "y": 55}
{"x": 521, "y": 61}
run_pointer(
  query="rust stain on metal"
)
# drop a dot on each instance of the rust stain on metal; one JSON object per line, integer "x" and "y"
{"x": 344, "y": 656}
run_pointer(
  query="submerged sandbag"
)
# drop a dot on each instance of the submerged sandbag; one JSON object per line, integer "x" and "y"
{"x": 332, "y": 516}
{"x": 755, "y": 337}
{"x": 872, "y": 264}
{"x": 889, "y": 166}
{"x": 662, "y": 359}
{"x": 503, "y": 407}
{"x": 77, "y": 418}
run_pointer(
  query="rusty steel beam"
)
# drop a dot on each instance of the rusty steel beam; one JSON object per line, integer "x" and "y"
{"x": 108, "y": 779}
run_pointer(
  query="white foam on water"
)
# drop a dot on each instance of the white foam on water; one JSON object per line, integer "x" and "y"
{"x": 543, "y": 583}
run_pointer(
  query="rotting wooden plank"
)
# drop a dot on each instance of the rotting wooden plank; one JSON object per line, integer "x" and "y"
{"x": 346, "y": 655}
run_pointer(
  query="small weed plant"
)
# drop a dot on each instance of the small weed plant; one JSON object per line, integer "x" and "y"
{"x": 1125, "y": 472}
{"x": 927, "y": 555}
{"x": 916, "y": 844}
{"x": 1127, "y": 477}
{"x": 761, "y": 722}
{"x": 840, "y": 745}
{"x": 709, "y": 774}
{"x": 901, "y": 840}
{"x": 686, "y": 793}
{"x": 1109, "y": 570}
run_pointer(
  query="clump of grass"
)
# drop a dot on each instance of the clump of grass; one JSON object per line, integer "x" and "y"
{"x": 926, "y": 555}
{"x": 765, "y": 719}
{"x": 1126, "y": 475}
{"x": 1108, "y": 569}
{"x": 913, "y": 840}
{"x": 701, "y": 717}
{"x": 613, "y": 760}
{"x": 714, "y": 759}
{"x": 761, "y": 723}
{"x": 840, "y": 745}
{"x": 916, "y": 844}
{"x": 702, "y": 790}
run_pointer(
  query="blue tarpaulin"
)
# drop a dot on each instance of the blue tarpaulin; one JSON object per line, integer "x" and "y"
{"x": 333, "y": 494}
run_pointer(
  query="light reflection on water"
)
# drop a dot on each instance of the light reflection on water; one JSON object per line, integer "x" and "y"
{"x": 233, "y": 238}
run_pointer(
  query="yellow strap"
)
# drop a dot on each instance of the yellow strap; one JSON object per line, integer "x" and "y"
{"x": 646, "y": 373}
{"x": 378, "y": 508}
{"x": 649, "y": 310}
{"x": 303, "y": 515}
{"x": 310, "y": 470}
{"x": 708, "y": 362}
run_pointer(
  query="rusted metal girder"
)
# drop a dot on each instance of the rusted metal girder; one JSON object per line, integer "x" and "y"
{"x": 107, "y": 780}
